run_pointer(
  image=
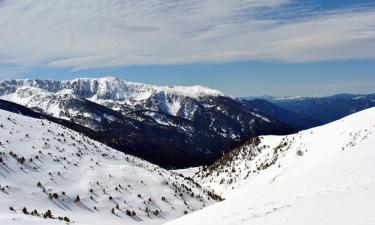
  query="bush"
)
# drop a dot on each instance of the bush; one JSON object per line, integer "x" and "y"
{"x": 55, "y": 195}
{"x": 48, "y": 214}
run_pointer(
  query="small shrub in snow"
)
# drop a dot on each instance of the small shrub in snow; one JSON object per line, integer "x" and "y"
{"x": 55, "y": 195}
{"x": 128, "y": 212}
{"x": 77, "y": 199}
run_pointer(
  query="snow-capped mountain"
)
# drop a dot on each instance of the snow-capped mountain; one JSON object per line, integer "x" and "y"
{"x": 49, "y": 173}
{"x": 104, "y": 91}
{"x": 171, "y": 126}
{"x": 324, "y": 175}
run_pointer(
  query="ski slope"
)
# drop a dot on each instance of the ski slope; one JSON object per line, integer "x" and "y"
{"x": 44, "y": 166}
{"x": 325, "y": 175}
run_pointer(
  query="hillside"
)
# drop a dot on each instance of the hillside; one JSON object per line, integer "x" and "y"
{"x": 49, "y": 173}
{"x": 324, "y": 175}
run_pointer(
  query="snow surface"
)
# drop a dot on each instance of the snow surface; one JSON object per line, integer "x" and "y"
{"x": 34, "y": 150}
{"x": 325, "y": 175}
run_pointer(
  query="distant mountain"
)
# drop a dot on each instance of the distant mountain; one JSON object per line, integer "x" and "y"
{"x": 52, "y": 175}
{"x": 174, "y": 127}
{"x": 324, "y": 175}
{"x": 297, "y": 121}
{"x": 326, "y": 109}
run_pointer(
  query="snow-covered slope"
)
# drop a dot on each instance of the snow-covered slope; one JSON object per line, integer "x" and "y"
{"x": 324, "y": 175}
{"x": 44, "y": 166}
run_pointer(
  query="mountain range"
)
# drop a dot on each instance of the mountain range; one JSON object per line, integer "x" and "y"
{"x": 174, "y": 127}
{"x": 320, "y": 110}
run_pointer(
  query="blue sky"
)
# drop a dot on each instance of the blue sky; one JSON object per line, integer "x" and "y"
{"x": 244, "y": 47}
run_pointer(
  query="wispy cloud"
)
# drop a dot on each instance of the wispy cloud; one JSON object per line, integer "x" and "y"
{"x": 102, "y": 33}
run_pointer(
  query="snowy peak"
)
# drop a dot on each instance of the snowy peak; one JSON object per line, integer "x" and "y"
{"x": 107, "y": 91}
{"x": 122, "y": 90}
{"x": 107, "y": 88}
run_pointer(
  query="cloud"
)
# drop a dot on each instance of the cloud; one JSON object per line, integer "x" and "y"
{"x": 104, "y": 33}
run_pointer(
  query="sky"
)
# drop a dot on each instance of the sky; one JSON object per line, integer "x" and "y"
{"x": 241, "y": 47}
